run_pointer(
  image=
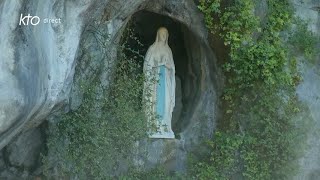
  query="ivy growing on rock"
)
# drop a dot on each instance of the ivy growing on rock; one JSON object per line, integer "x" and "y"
{"x": 303, "y": 41}
{"x": 259, "y": 136}
{"x": 96, "y": 140}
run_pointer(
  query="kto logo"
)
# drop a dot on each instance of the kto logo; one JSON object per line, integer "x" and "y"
{"x": 34, "y": 20}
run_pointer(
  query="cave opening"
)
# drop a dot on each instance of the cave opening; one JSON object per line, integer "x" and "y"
{"x": 142, "y": 29}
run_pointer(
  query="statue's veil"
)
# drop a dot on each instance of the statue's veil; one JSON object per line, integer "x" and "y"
{"x": 162, "y": 30}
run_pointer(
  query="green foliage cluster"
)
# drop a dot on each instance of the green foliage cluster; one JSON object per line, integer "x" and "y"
{"x": 253, "y": 57}
{"x": 222, "y": 162}
{"x": 302, "y": 40}
{"x": 156, "y": 173}
{"x": 258, "y": 137}
{"x": 90, "y": 142}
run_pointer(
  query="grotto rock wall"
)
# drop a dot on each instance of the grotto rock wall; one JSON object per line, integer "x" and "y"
{"x": 37, "y": 62}
{"x": 37, "y": 66}
{"x": 309, "y": 93}
{"x": 203, "y": 86}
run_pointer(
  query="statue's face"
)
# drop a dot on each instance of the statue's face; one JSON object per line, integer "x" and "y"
{"x": 163, "y": 36}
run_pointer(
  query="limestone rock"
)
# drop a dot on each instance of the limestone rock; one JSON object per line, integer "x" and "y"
{"x": 309, "y": 94}
{"x": 41, "y": 71}
{"x": 178, "y": 104}
{"x": 2, "y": 163}
{"x": 24, "y": 151}
{"x": 37, "y": 62}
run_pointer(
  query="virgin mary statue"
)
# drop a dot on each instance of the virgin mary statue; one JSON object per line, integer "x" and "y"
{"x": 159, "y": 87}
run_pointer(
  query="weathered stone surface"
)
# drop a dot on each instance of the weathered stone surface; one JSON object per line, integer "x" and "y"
{"x": 309, "y": 93}
{"x": 37, "y": 62}
{"x": 168, "y": 153}
{"x": 14, "y": 174}
{"x": 309, "y": 10}
{"x": 37, "y": 67}
{"x": 178, "y": 105}
{"x": 2, "y": 163}
{"x": 24, "y": 151}
{"x": 37, "y": 72}
{"x": 196, "y": 69}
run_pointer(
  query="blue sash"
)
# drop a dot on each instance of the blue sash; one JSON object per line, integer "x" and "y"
{"x": 161, "y": 92}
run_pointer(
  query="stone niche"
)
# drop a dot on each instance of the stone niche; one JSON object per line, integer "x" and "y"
{"x": 186, "y": 57}
{"x": 198, "y": 78}
{"x": 195, "y": 109}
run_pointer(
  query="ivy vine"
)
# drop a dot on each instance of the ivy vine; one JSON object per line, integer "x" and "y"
{"x": 258, "y": 137}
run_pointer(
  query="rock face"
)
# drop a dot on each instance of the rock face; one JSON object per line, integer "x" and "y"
{"x": 196, "y": 73}
{"x": 308, "y": 10}
{"x": 309, "y": 94}
{"x": 37, "y": 72}
{"x": 2, "y": 163}
{"x": 24, "y": 151}
{"x": 22, "y": 156}
{"x": 38, "y": 66}
{"x": 37, "y": 62}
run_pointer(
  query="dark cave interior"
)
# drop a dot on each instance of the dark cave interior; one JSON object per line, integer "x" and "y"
{"x": 143, "y": 27}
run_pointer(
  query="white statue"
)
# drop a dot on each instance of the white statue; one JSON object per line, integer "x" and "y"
{"x": 159, "y": 87}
